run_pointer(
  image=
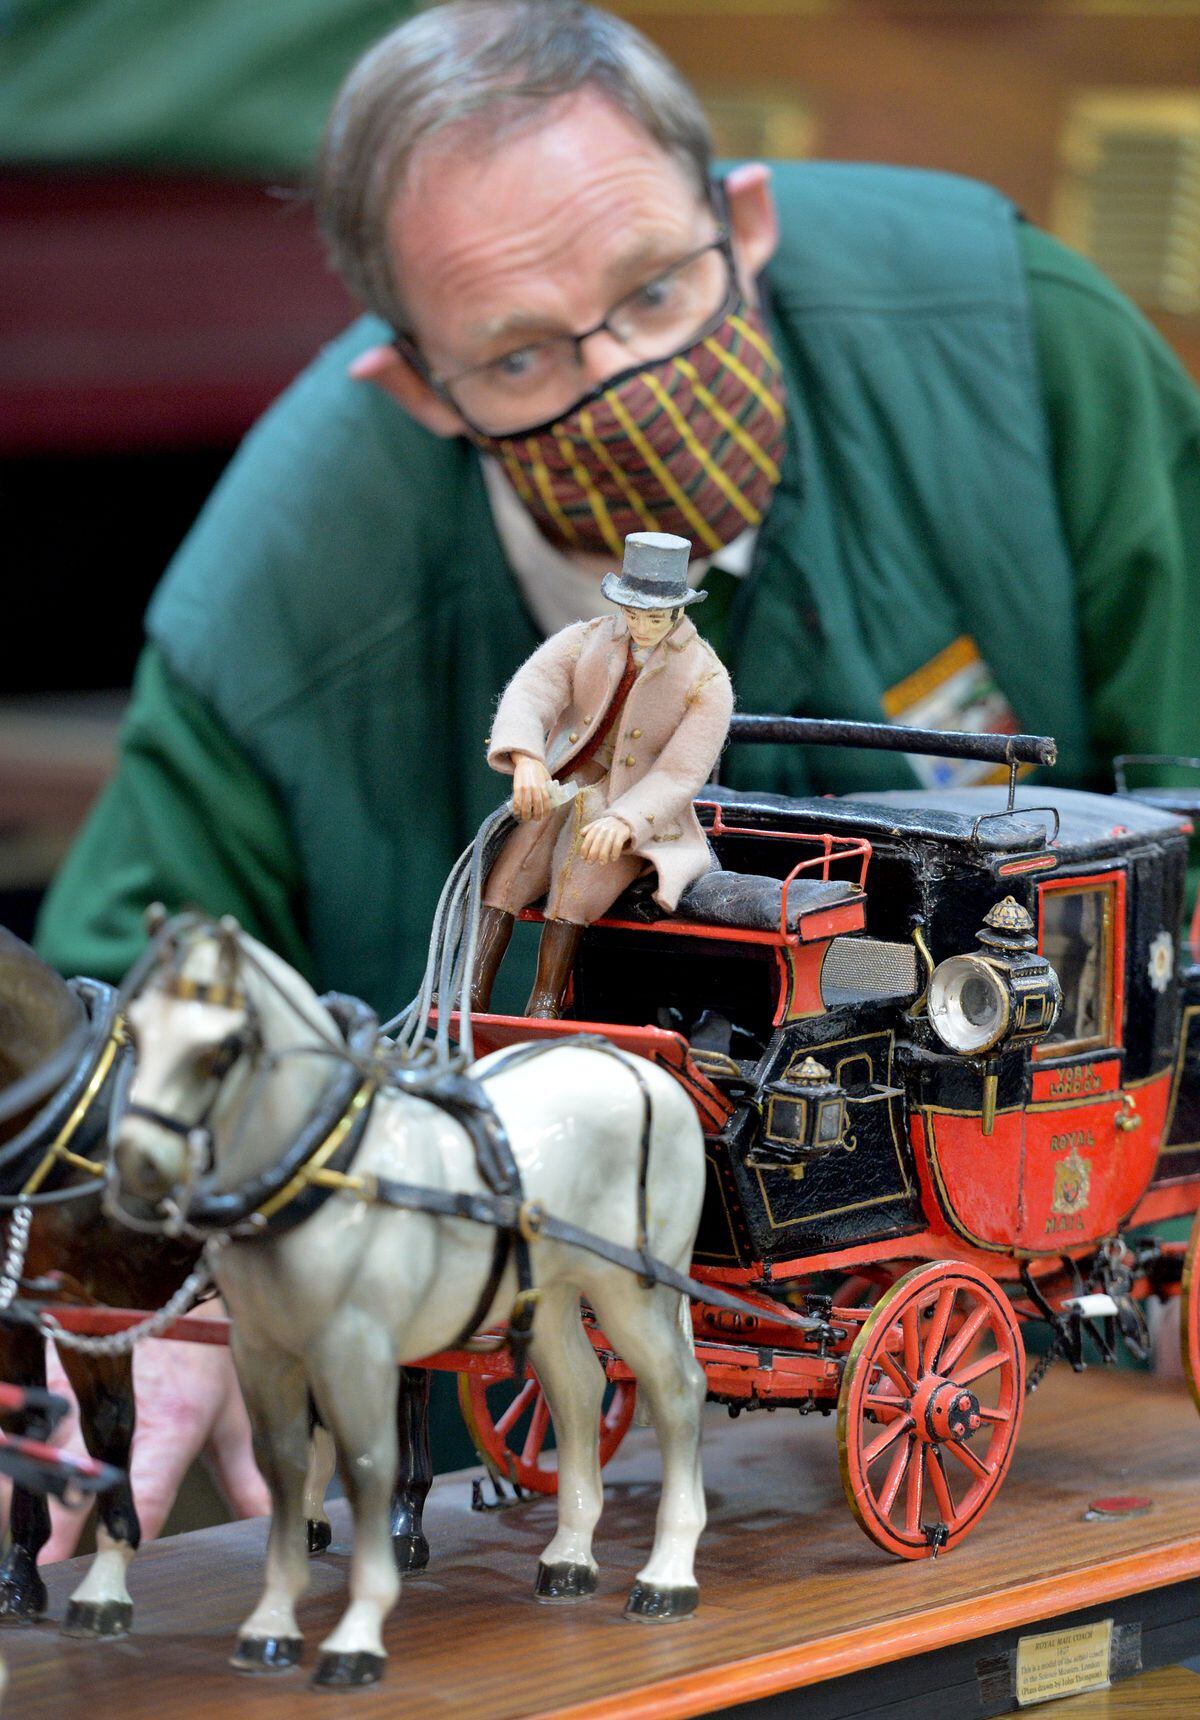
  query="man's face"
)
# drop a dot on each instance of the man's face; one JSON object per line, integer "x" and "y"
{"x": 539, "y": 237}
{"x": 648, "y": 626}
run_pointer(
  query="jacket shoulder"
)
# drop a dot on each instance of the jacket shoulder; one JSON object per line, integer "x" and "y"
{"x": 862, "y": 238}
{"x": 317, "y": 539}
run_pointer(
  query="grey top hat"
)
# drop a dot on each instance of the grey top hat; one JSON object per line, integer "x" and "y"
{"x": 653, "y": 574}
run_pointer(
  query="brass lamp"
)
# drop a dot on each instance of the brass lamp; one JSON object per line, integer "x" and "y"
{"x": 804, "y": 1118}
{"x": 1007, "y": 995}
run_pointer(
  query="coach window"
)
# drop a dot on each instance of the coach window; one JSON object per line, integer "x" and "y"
{"x": 1077, "y": 940}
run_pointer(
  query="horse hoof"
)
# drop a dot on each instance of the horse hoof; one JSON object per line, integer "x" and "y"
{"x": 98, "y": 1618}
{"x": 347, "y": 1671}
{"x": 22, "y": 1591}
{"x": 266, "y": 1653}
{"x": 411, "y": 1553}
{"x": 559, "y": 1583}
{"x": 650, "y": 1605}
{"x": 319, "y": 1536}
{"x": 22, "y": 1603}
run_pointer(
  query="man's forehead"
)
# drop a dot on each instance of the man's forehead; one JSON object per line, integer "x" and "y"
{"x": 586, "y": 188}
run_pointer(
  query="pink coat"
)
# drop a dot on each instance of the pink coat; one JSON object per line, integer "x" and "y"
{"x": 668, "y": 739}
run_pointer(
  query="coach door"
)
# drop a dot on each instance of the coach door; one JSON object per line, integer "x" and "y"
{"x": 1078, "y": 1175}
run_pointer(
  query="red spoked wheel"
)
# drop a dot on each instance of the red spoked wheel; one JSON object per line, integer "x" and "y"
{"x": 1189, "y": 1313}
{"x": 929, "y": 1408}
{"x": 509, "y": 1426}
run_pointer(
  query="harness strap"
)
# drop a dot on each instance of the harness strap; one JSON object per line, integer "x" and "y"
{"x": 531, "y": 1221}
{"x": 212, "y": 1209}
{"x": 596, "y": 1042}
{"x": 468, "y": 1104}
{"x": 59, "y": 1146}
{"x": 301, "y": 1197}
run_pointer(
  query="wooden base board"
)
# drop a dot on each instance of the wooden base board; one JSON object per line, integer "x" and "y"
{"x": 792, "y": 1593}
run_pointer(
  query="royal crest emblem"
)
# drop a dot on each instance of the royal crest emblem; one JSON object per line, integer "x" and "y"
{"x": 1072, "y": 1183}
{"x": 1161, "y": 964}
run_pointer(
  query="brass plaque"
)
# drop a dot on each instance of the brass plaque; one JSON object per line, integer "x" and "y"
{"x": 1063, "y": 1662}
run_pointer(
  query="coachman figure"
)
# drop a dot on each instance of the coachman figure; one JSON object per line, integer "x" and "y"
{"x": 609, "y": 730}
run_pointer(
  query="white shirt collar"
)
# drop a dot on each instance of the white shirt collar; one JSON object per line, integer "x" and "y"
{"x": 560, "y": 587}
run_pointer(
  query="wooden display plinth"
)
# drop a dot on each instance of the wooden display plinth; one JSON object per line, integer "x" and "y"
{"x": 792, "y": 1594}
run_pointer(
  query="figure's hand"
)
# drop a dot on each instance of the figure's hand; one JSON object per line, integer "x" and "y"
{"x": 604, "y": 839}
{"x": 188, "y": 1404}
{"x": 531, "y": 788}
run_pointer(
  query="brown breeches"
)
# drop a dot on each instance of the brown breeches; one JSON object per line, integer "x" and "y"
{"x": 542, "y": 858}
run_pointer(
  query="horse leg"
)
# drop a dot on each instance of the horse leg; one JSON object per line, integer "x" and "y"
{"x": 22, "y": 1591}
{"x": 322, "y": 1460}
{"x": 652, "y": 1333}
{"x": 353, "y": 1375}
{"x": 573, "y": 1381}
{"x": 414, "y": 1471}
{"x": 414, "y": 1475}
{"x": 274, "y": 1389}
{"x": 103, "y": 1385}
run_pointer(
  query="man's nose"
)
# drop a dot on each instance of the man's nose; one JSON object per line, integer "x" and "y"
{"x": 602, "y": 355}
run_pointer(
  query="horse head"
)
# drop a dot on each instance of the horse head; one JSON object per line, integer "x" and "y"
{"x": 196, "y": 1033}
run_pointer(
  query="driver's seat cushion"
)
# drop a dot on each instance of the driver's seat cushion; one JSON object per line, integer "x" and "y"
{"x": 747, "y": 901}
{"x": 754, "y": 902}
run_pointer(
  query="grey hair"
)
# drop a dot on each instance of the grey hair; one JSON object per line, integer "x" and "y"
{"x": 502, "y": 61}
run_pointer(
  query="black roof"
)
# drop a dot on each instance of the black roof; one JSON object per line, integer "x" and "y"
{"x": 1093, "y": 826}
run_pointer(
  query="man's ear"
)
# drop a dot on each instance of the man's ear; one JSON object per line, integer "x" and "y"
{"x": 753, "y": 218}
{"x": 389, "y": 370}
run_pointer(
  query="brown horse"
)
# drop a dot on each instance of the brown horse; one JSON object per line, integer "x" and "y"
{"x": 48, "y": 1147}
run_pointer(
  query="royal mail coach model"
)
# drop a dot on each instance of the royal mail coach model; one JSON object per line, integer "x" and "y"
{"x": 945, "y": 1055}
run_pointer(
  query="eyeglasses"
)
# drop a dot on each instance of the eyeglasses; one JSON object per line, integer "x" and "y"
{"x": 534, "y": 384}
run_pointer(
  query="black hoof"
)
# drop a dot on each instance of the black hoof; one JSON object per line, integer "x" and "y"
{"x": 22, "y": 1591}
{"x": 656, "y": 1606}
{"x": 347, "y": 1671}
{"x": 411, "y": 1553}
{"x": 266, "y": 1653}
{"x": 319, "y": 1536}
{"x": 98, "y": 1618}
{"x": 557, "y": 1583}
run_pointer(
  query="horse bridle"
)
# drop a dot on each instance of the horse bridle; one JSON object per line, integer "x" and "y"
{"x": 197, "y": 1135}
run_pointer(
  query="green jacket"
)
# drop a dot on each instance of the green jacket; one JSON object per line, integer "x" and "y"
{"x": 985, "y": 440}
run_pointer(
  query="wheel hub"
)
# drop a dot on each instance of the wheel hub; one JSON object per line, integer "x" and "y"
{"x": 943, "y": 1410}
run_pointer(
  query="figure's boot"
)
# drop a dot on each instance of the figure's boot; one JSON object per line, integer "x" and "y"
{"x": 556, "y": 953}
{"x": 495, "y": 930}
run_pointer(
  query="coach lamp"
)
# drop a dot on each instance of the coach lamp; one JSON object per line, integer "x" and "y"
{"x": 804, "y": 1118}
{"x": 1002, "y": 998}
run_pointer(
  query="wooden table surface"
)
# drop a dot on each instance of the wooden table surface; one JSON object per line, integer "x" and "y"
{"x": 791, "y": 1590}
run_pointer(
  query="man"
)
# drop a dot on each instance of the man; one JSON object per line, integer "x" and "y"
{"x": 985, "y": 496}
{"x": 631, "y": 712}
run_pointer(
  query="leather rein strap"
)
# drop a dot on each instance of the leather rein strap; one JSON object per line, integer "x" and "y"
{"x": 530, "y": 1222}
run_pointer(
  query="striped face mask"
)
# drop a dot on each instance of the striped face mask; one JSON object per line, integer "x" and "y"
{"x": 689, "y": 445}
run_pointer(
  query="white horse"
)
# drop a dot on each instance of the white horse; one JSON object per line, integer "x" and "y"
{"x": 230, "y": 1034}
